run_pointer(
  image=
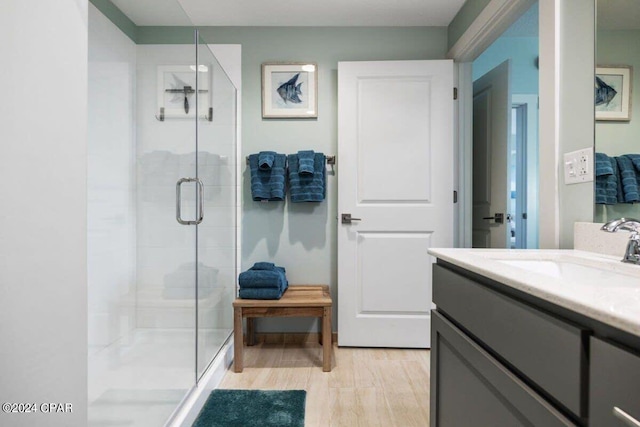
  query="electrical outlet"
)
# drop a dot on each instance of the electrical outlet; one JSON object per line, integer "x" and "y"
{"x": 578, "y": 166}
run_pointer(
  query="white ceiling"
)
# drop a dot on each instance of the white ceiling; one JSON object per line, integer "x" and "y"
{"x": 399, "y": 13}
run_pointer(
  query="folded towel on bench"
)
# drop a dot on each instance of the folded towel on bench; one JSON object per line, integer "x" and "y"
{"x": 261, "y": 279}
{"x": 261, "y": 293}
{"x": 263, "y": 266}
{"x": 264, "y": 280}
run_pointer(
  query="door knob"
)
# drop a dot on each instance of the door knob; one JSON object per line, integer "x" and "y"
{"x": 347, "y": 218}
{"x": 498, "y": 218}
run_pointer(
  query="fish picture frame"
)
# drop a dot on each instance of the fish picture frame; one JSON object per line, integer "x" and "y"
{"x": 289, "y": 90}
{"x": 613, "y": 92}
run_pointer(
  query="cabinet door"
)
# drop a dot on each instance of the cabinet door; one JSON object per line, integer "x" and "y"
{"x": 471, "y": 388}
{"x": 548, "y": 351}
{"x": 615, "y": 383}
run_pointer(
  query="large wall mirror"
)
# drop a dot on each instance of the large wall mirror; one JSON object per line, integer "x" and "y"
{"x": 617, "y": 125}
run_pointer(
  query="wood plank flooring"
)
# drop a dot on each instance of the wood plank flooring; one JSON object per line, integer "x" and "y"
{"x": 366, "y": 387}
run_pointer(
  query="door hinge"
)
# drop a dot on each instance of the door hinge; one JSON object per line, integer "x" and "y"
{"x": 455, "y": 196}
{"x": 455, "y": 93}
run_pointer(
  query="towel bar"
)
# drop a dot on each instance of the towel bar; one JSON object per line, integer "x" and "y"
{"x": 331, "y": 160}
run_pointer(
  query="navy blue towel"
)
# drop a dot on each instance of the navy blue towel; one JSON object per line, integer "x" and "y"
{"x": 267, "y": 184}
{"x": 606, "y": 187}
{"x": 628, "y": 179}
{"x": 307, "y": 188}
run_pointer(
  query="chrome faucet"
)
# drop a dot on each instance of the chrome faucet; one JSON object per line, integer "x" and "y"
{"x": 632, "y": 254}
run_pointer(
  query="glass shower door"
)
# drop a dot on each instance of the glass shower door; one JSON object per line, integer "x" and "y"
{"x": 216, "y": 236}
{"x": 168, "y": 210}
{"x": 145, "y": 202}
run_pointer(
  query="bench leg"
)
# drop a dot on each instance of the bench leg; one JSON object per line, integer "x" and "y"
{"x": 251, "y": 331}
{"x": 326, "y": 340}
{"x": 237, "y": 339}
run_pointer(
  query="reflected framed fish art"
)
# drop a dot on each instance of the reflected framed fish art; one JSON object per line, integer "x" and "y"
{"x": 289, "y": 90}
{"x": 613, "y": 92}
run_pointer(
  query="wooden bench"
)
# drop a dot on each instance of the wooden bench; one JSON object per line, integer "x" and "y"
{"x": 297, "y": 301}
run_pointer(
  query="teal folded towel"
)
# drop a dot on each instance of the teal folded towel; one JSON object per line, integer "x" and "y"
{"x": 615, "y": 182}
{"x": 307, "y": 188}
{"x": 261, "y": 279}
{"x": 261, "y": 293}
{"x": 264, "y": 280}
{"x": 603, "y": 165}
{"x": 628, "y": 179}
{"x": 263, "y": 276}
{"x": 305, "y": 162}
{"x": 268, "y": 184}
{"x": 635, "y": 160}
{"x": 263, "y": 266}
{"x": 265, "y": 159}
{"x": 606, "y": 187}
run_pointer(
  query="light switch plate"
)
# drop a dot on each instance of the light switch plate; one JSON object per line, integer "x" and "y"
{"x": 578, "y": 166}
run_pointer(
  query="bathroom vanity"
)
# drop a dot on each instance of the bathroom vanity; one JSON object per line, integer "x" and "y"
{"x": 535, "y": 337}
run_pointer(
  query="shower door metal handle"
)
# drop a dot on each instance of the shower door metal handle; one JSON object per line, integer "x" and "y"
{"x": 179, "y": 201}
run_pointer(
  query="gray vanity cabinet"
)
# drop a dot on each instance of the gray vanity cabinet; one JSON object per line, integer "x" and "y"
{"x": 614, "y": 397}
{"x": 474, "y": 389}
{"x": 501, "y": 357}
{"x": 547, "y": 351}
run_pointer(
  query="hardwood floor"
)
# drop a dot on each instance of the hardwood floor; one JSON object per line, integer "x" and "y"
{"x": 366, "y": 387}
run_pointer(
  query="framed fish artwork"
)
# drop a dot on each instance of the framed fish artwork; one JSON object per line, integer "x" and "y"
{"x": 289, "y": 90}
{"x": 613, "y": 92}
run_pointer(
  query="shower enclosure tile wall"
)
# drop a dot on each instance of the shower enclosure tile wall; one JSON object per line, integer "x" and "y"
{"x": 110, "y": 183}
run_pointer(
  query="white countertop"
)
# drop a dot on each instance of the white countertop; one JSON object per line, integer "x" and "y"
{"x": 597, "y": 286}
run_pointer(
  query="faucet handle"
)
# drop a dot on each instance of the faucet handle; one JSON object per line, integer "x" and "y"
{"x": 627, "y": 224}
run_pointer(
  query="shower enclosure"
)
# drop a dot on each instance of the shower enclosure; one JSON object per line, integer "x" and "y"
{"x": 161, "y": 222}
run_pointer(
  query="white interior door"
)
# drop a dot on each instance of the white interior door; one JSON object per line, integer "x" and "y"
{"x": 491, "y": 129}
{"x": 395, "y": 145}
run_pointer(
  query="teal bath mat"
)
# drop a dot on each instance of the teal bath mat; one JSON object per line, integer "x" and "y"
{"x": 253, "y": 408}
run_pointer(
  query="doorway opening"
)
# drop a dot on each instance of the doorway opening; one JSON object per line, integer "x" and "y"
{"x": 505, "y": 139}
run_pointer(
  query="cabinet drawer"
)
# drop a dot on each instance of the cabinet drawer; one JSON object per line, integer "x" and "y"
{"x": 471, "y": 388}
{"x": 615, "y": 383}
{"x": 549, "y": 352}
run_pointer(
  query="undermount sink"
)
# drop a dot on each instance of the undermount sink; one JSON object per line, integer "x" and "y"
{"x": 576, "y": 272}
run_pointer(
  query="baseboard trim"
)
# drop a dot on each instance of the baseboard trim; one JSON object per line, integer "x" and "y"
{"x": 289, "y": 337}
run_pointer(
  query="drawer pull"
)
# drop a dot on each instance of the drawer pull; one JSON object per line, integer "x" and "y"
{"x": 624, "y": 417}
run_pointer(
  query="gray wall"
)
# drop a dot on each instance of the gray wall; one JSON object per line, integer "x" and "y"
{"x": 43, "y": 260}
{"x": 576, "y": 109}
{"x": 616, "y": 138}
{"x": 465, "y": 16}
{"x": 302, "y": 237}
